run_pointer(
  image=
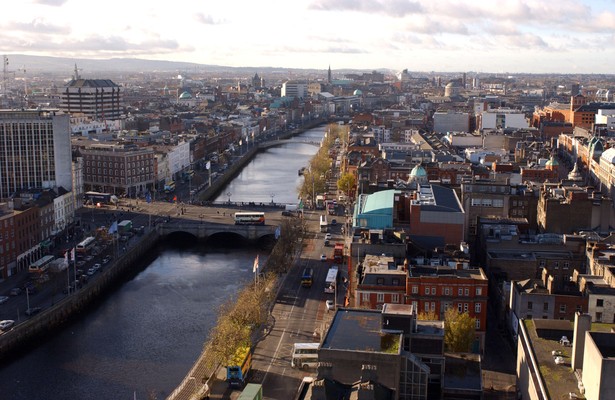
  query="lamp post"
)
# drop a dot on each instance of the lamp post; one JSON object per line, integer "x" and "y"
{"x": 228, "y": 194}
{"x": 272, "y": 195}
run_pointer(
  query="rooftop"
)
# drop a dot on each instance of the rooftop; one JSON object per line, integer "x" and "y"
{"x": 463, "y": 371}
{"x": 360, "y": 330}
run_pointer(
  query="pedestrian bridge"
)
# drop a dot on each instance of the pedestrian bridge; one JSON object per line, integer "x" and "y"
{"x": 204, "y": 230}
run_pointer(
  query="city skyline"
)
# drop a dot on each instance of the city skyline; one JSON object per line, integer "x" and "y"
{"x": 504, "y": 36}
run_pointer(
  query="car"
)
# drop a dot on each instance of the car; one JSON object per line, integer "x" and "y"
{"x": 327, "y": 242}
{"x": 6, "y": 324}
{"x": 91, "y": 271}
{"x": 106, "y": 260}
{"x": 287, "y": 213}
{"x": 330, "y": 305}
{"x": 334, "y": 222}
{"x": 80, "y": 264}
{"x": 323, "y": 258}
{"x": 15, "y": 291}
{"x": 96, "y": 267}
{"x": 328, "y": 236}
{"x": 4, "y": 299}
{"x": 89, "y": 258}
{"x": 33, "y": 310}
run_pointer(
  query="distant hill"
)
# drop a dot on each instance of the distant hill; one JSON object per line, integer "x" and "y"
{"x": 66, "y": 66}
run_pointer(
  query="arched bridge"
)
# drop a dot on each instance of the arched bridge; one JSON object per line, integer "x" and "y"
{"x": 274, "y": 143}
{"x": 204, "y": 230}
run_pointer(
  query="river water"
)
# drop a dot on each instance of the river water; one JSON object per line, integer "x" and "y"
{"x": 142, "y": 339}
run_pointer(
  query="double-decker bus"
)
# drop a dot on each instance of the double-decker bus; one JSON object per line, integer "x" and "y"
{"x": 41, "y": 265}
{"x": 97, "y": 198}
{"x": 305, "y": 355}
{"x": 307, "y": 278}
{"x": 331, "y": 280}
{"x": 249, "y": 218}
{"x": 86, "y": 245}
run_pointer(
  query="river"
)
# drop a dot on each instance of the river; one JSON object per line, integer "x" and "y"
{"x": 142, "y": 339}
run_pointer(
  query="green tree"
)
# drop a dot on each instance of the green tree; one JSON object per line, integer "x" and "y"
{"x": 459, "y": 331}
{"x": 346, "y": 183}
{"x": 428, "y": 316}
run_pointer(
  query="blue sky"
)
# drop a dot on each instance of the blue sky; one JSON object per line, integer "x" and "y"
{"x": 438, "y": 35}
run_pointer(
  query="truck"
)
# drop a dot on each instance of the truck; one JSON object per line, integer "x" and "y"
{"x": 252, "y": 391}
{"x": 239, "y": 367}
{"x": 338, "y": 253}
{"x": 124, "y": 227}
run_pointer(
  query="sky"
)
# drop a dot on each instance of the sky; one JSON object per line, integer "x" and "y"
{"x": 534, "y": 36}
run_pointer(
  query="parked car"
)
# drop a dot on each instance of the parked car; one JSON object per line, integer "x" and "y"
{"x": 323, "y": 257}
{"x": 4, "y": 299}
{"x": 330, "y": 305}
{"x": 91, "y": 271}
{"x": 333, "y": 221}
{"x": 33, "y": 310}
{"x": 6, "y": 324}
{"x": 15, "y": 291}
{"x": 96, "y": 267}
{"x": 328, "y": 236}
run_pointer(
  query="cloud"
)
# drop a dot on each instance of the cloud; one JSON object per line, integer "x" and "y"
{"x": 205, "y": 19}
{"x": 392, "y": 8}
{"x": 54, "y": 3}
{"x": 430, "y": 26}
{"x": 37, "y": 26}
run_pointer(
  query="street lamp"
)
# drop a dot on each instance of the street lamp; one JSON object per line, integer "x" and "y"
{"x": 228, "y": 194}
{"x": 272, "y": 196}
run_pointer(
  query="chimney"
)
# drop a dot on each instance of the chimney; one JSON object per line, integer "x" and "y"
{"x": 582, "y": 324}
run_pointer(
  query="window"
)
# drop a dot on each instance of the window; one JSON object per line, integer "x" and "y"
{"x": 545, "y": 306}
{"x": 543, "y": 263}
{"x": 460, "y": 308}
{"x": 566, "y": 265}
{"x": 426, "y": 306}
{"x": 395, "y": 281}
{"x": 477, "y": 308}
{"x": 579, "y": 308}
{"x": 395, "y": 298}
{"x": 562, "y": 308}
{"x": 427, "y": 290}
{"x": 479, "y": 291}
{"x": 460, "y": 292}
{"x": 380, "y": 297}
{"x": 447, "y": 291}
{"x": 379, "y": 281}
{"x": 477, "y": 323}
{"x": 433, "y": 306}
{"x": 467, "y": 291}
{"x": 365, "y": 297}
{"x": 415, "y": 305}
{"x": 498, "y": 203}
{"x": 415, "y": 289}
{"x": 599, "y": 302}
{"x": 529, "y": 305}
{"x": 433, "y": 290}
{"x": 598, "y": 317}
{"x": 465, "y": 307}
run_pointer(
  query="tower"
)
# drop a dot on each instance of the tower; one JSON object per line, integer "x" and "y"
{"x": 329, "y": 75}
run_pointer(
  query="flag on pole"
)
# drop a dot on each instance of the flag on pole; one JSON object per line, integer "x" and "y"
{"x": 255, "y": 266}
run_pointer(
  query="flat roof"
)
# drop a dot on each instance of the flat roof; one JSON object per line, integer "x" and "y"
{"x": 462, "y": 371}
{"x": 358, "y": 330}
{"x": 558, "y": 379}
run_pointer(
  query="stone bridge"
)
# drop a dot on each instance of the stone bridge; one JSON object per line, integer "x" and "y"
{"x": 203, "y": 230}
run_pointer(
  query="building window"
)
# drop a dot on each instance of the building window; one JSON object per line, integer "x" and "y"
{"x": 427, "y": 290}
{"x": 460, "y": 292}
{"x": 578, "y": 308}
{"x": 460, "y": 308}
{"x": 477, "y": 308}
{"x": 415, "y": 305}
{"x": 477, "y": 323}
{"x": 365, "y": 297}
{"x": 433, "y": 306}
{"x": 447, "y": 291}
{"x": 599, "y": 302}
{"x": 380, "y": 297}
{"x": 543, "y": 263}
{"x": 426, "y": 306}
{"x": 415, "y": 289}
{"x": 598, "y": 317}
{"x": 467, "y": 292}
{"x": 529, "y": 305}
{"x": 379, "y": 281}
{"x": 395, "y": 281}
{"x": 395, "y": 298}
{"x": 433, "y": 290}
{"x": 465, "y": 307}
{"x": 479, "y": 291}
{"x": 562, "y": 308}
{"x": 545, "y": 306}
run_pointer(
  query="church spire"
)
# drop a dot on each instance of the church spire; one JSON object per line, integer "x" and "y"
{"x": 329, "y": 74}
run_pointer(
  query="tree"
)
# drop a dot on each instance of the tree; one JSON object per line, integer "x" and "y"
{"x": 428, "y": 316}
{"x": 346, "y": 183}
{"x": 459, "y": 331}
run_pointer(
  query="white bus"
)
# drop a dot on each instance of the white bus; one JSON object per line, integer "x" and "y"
{"x": 249, "y": 218}
{"x": 41, "y": 265}
{"x": 324, "y": 226}
{"x": 331, "y": 280}
{"x": 305, "y": 355}
{"x": 86, "y": 245}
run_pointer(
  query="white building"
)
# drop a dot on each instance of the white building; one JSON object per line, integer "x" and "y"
{"x": 606, "y": 117}
{"x": 36, "y": 151}
{"x": 179, "y": 158}
{"x": 503, "y": 118}
{"x": 295, "y": 89}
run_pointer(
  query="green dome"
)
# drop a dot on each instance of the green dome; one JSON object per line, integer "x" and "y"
{"x": 418, "y": 170}
{"x": 552, "y": 162}
{"x": 185, "y": 95}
